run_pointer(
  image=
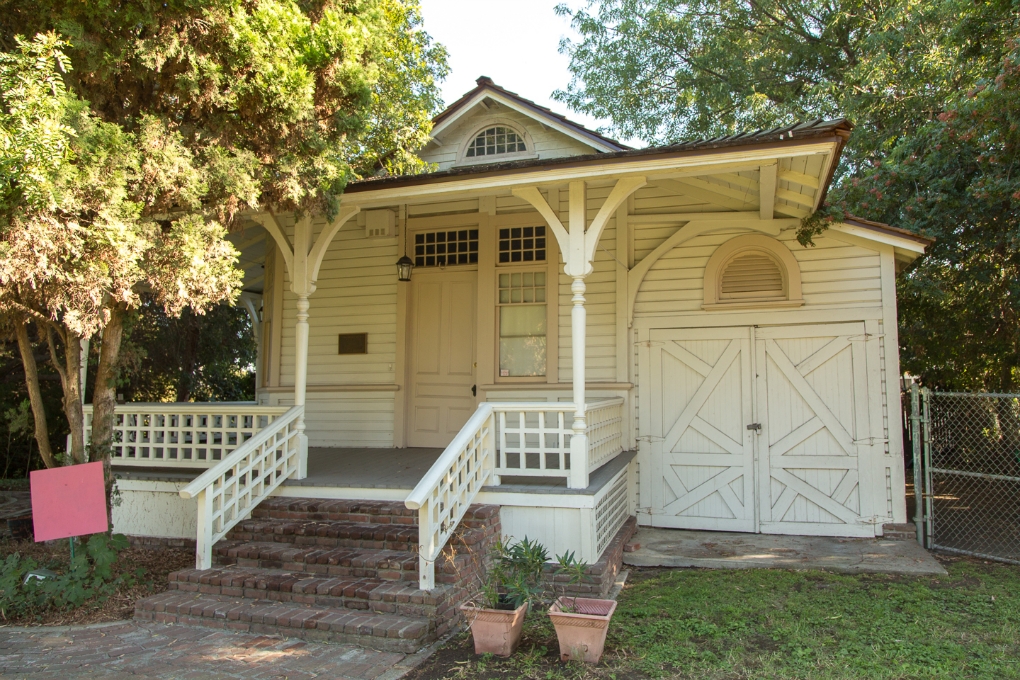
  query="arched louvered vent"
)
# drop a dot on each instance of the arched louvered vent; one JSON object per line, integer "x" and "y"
{"x": 752, "y": 275}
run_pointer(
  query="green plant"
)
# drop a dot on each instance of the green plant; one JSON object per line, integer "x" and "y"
{"x": 89, "y": 577}
{"x": 576, "y": 571}
{"x": 516, "y": 574}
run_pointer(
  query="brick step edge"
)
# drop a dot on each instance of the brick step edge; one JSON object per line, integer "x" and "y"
{"x": 338, "y": 534}
{"x": 387, "y": 565}
{"x": 383, "y": 597}
{"x": 317, "y": 624}
{"x": 362, "y": 512}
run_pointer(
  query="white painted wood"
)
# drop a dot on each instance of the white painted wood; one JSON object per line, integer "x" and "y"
{"x": 767, "y": 191}
{"x": 442, "y": 356}
{"x": 701, "y": 454}
{"x": 813, "y": 392}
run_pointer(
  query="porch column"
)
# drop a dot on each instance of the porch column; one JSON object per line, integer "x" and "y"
{"x": 302, "y": 286}
{"x": 301, "y": 379}
{"x": 577, "y": 246}
{"x": 578, "y": 267}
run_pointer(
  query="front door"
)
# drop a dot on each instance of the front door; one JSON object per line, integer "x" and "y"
{"x": 763, "y": 429}
{"x": 442, "y": 356}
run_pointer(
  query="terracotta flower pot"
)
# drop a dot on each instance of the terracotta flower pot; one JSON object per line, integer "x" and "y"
{"x": 581, "y": 625}
{"x": 495, "y": 631}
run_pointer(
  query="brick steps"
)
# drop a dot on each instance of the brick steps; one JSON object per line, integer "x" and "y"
{"x": 387, "y": 565}
{"x": 328, "y": 570}
{"x": 365, "y": 594}
{"x": 388, "y": 632}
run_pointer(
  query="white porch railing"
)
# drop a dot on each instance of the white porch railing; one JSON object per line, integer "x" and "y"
{"x": 447, "y": 490}
{"x": 533, "y": 440}
{"x": 228, "y": 492}
{"x": 182, "y": 435}
{"x": 604, "y": 420}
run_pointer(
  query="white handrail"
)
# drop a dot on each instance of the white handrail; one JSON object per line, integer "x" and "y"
{"x": 229, "y": 491}
{"x": 450, "y": 486}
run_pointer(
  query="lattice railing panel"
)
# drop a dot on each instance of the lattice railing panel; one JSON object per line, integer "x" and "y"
{"x": 605, "y": 432}
{"x": 611, "y": 512}
{"x": 191, "y": 435}
{"x": 534, "y": 439}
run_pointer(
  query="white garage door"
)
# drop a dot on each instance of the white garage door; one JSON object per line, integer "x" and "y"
{"x": 762, "y": 429}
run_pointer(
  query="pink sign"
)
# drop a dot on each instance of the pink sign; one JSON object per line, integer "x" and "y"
{"x": 68, "y": 501}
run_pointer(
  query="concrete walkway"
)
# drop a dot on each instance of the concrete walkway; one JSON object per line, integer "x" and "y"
{"x": 724, "y": 550}
{"x": 130, "y": 649}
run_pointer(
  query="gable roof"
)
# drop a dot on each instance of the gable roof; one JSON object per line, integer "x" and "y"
{"x": 486, "y": 88}
{"x": 837, "y": 130}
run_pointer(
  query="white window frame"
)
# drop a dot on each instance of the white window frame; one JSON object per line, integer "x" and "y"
{"x": 463, "y": 159}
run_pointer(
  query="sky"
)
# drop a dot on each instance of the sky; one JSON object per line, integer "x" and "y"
{"x": 513, "y": 42}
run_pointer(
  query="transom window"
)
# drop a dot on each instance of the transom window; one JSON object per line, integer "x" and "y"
{"x": 521, "y": 244}
{"x": 495, "y": 141}
{"x": 522, "y": 325}
{"x": 447, "y": 247}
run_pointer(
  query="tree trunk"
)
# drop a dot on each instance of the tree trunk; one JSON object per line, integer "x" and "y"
{"x": 104, "y": 394}
{"x": 42, "y": 435}
{"x": 70, "y": 380}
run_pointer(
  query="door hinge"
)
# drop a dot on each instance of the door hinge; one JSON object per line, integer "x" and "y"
{"x": 871, "y": 441}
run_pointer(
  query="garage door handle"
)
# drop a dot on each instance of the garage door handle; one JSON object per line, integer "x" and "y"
{"x": 755, "y": 426}
{"x": 474, "y": 390}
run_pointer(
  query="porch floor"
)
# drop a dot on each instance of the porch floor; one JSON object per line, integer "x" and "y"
{"x": 390, "y": 469}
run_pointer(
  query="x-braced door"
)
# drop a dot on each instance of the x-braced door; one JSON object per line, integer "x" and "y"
{"x": 820, "y": 446}
{"x": 698, "y": 407}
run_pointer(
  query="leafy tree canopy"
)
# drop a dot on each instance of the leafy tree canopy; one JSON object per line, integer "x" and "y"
{"x": 132, "y": 134}
{"x": 932, "y": 87}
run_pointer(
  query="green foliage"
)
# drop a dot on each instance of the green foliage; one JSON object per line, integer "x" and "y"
{"x": 932, "y": 87}
{"x": 958, "y": 180}
{"x": 191, "y": 357}
{"x": 515, "y": 576}
{"x": 769, "y": 623}
{"x": 89, "y": 578}
{"x": 667, "y": 70}
{"x": 280, "y": 103}
{"x": 576, "y": 572}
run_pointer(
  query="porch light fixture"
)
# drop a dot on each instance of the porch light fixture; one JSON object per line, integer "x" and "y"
{"x": 404, "y": 267}
{"x": 404, "y": 264}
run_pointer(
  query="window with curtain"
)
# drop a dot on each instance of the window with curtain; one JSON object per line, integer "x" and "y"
{"x": 522, "y": 324}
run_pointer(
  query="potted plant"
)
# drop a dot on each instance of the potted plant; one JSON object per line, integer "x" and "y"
{"x": 581, "y": 623}
{"x": 496, "y": 615}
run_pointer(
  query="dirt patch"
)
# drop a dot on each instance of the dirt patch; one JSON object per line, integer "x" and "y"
{"x": 156, "y": 563}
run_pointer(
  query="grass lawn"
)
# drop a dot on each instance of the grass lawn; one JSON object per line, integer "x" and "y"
{"x": 692, "y": 623}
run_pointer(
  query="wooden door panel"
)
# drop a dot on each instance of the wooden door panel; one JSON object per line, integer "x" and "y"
{"x": 811, "y": 381}
{"x": 701, "y": 452}
{"x": 442, "y": 356}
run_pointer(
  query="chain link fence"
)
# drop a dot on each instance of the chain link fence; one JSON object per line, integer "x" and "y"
{"x": 967, "y": 466}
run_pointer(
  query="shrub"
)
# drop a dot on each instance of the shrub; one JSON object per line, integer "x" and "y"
{"x": 88, "y": 578}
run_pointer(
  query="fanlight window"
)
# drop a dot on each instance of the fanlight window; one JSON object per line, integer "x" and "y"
{"x": 751, "y": 271}
{"x": 495, "y": 141}
{"x": 752, "y": 275}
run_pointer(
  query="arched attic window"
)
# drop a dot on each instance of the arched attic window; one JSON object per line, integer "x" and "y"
{"x": 497, "y": 141}
{"x": 752, "y": 271}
